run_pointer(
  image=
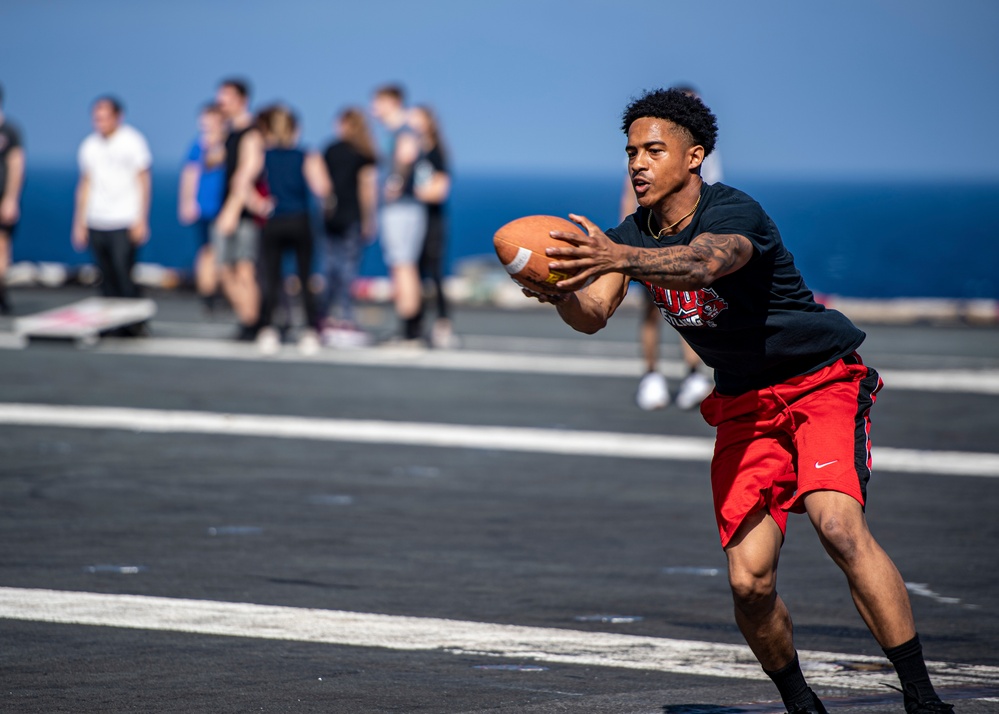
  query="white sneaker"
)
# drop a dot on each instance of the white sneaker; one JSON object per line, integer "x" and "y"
{"x": 268, "y": 341}
{"x": 346, "y": 337}
{"x": 308, "y": 343}
{"x": 693, "y": 390}
{"x": 442, "y": 336}
{"x": 652, "y": 392}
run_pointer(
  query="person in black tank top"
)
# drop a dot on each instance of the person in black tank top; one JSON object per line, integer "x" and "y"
{"x": 232, "y": 142}
{"x": 291, "y": 176}
{"x": 235, "y": 233}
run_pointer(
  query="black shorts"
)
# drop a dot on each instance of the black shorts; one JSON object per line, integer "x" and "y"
{"x": 8, "y": 229}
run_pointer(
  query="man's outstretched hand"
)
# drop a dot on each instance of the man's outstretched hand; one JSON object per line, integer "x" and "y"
{"x": 593, "y": 254}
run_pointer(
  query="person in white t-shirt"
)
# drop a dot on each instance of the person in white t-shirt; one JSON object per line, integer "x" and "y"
{"x": 112, "y": 197}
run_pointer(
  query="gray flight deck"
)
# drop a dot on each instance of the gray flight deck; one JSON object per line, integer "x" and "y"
{"x": 600, "y": 544}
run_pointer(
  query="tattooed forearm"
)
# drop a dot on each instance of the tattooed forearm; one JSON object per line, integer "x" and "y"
{"x": 688, "y": 267}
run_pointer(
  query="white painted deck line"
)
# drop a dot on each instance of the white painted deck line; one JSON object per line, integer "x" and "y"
{"x": 951, "y": 380}
{"x": 552, "y": 441}
{"x": 973, "y": 381}
{"x": 510, "y": 642}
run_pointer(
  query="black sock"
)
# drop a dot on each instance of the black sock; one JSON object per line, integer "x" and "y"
{"x": 908, "y": 661}
{"x": 791, "y": 685}
{"x": 412, "y": 327}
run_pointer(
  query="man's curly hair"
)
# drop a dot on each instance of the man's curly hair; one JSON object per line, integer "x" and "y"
{"x": 685, "y": 110}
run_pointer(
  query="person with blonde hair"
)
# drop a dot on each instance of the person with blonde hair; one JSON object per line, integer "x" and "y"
{"x": 349, "y": 219}
{"x": 291, "y": 174}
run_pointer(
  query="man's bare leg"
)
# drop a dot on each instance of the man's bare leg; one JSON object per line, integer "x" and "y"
{"x": 239, "y": 283}
{"x": 752, "y": 572}
{"x": 876, "y": 586}
{"x": 761, "y": 614}
{"x": 4, "y": 265}
{"x": 878, "y": 592}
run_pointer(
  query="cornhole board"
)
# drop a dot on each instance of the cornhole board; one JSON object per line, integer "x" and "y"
{"x": 85, "y": 321}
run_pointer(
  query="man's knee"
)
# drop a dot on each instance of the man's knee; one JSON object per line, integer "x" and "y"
{"x": 752, "y": 561}
{"x": 752, "y": 590}
{"x": 844, "y": 535}
{"x": 839, "y": 521}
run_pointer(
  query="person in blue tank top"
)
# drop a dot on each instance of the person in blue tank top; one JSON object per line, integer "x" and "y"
{"x": 202, "y": 184}
{"x": 292, "y": 175}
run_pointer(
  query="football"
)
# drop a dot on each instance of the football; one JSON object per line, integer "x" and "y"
{"x": 520, "y": 246}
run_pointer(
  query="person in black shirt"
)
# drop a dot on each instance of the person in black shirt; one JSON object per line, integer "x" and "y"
{"x": 792, "y": 397}
{"x": 432, "y": 186}
{"x": 235, "y": 233}
{"x": 350, "y": 220}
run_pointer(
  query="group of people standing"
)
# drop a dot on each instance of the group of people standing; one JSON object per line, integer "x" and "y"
{"x": 248, "y": 185}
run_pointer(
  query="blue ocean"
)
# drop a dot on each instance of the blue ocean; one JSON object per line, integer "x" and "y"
{"x": 874, "y": 240}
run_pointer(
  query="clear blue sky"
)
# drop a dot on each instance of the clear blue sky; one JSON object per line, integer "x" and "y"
{"x": 867, "y": 88}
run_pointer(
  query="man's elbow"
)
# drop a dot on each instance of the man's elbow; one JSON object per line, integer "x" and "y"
{"x": 591, "y": 325}
{"x": 590, "y": 329}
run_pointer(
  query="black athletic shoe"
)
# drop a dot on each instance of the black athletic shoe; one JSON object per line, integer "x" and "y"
{"x": 246, "y": 333}
{"x": 814, "y": 708}
{"x": 915, "y": 704}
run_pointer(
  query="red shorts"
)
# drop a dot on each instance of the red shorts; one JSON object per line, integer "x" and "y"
{"x": 775, "y": 445}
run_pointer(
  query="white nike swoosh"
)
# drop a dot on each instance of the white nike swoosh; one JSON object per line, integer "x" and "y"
{"x": 827, "y": 463}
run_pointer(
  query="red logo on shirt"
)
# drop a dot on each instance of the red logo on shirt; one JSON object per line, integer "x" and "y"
{"x": 688, "y": 308}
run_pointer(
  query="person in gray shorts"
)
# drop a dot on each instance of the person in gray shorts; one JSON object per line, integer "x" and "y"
{"x": 239, "y": 246}
{"x": 404, "y": 224}
{"x": 235, "y": 233}
{"x": 402, "y": 217}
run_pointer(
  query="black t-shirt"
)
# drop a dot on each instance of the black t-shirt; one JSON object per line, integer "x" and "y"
{"x": 10, "y": 138}
{"x": 232, "y": 142}
{"x": 755, "y": 327}
{"x": 429, "y": 163}
{"x": 344, "y": 163}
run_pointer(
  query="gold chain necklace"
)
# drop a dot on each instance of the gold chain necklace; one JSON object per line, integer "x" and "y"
{"x": 671, "y": 226}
